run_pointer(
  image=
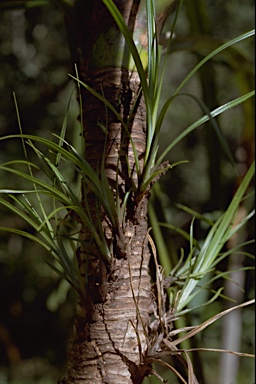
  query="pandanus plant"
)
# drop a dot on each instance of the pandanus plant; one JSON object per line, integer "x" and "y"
{"x": 119, "y": 119}
{"x": 121, "y": 325}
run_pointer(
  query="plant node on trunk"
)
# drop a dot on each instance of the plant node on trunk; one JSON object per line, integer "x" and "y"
{"x": 112, "y": 327}
{"x": 113, "y": 333}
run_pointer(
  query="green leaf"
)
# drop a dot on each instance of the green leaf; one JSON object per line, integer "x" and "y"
{"x": 197, "y": 67}
{"x": 100, "y": 97}
{"x": 202, "y": 120}
{"x": 218, "y": 235}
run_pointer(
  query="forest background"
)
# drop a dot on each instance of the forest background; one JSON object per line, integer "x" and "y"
{"x": 36, "y": 307}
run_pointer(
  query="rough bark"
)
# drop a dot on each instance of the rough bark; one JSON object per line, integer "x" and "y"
{"x": 112, "y": 327}
{"x": 112, "y": 331}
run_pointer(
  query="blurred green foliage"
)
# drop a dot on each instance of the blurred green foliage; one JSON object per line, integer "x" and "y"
{"x": 36, "y": 308}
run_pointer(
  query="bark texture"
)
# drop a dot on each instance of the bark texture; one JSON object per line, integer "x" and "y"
{"x": 112, "y": 326}
{"x": 113, "y": 333}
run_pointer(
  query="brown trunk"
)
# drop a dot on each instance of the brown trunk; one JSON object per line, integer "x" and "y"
{"x": 111, "y": 339}
{"x": 112, "y": 327}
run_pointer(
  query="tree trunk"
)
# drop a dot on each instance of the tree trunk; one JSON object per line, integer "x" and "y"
{"x": 112, "y": 332}
{"x": 112, "y": 325}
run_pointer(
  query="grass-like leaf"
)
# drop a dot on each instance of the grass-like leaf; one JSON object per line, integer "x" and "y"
{"x": 202, "y": 120}
{"x": 188, "y": 77}
{"x": 64, "y": 199}
{"x": 218, "y": 235}
{"x": 202, "y": 326}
